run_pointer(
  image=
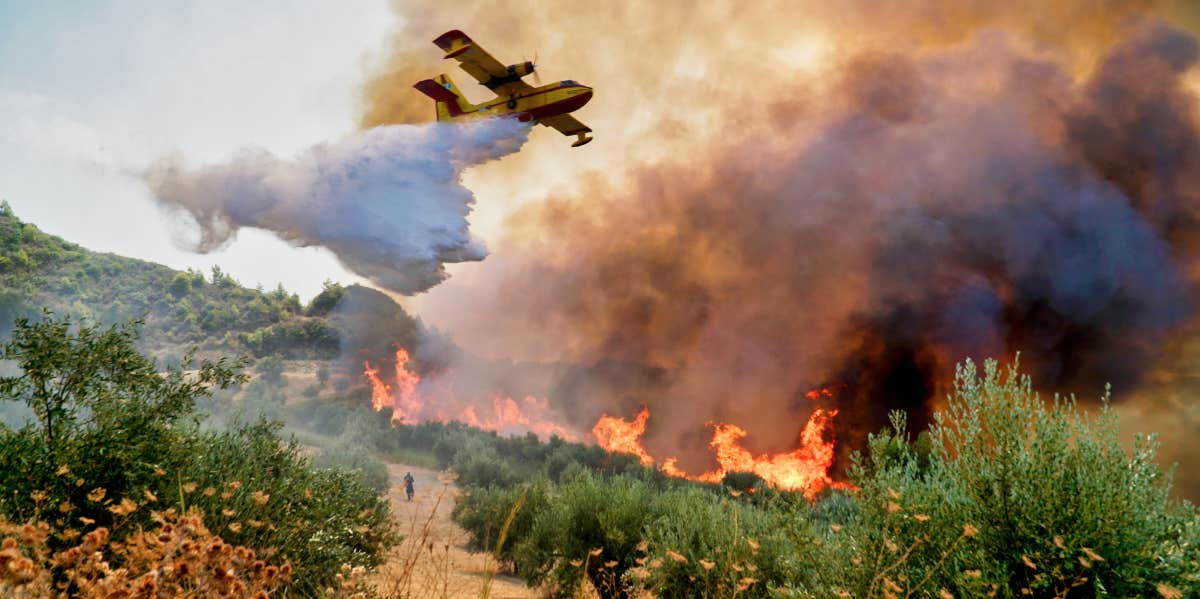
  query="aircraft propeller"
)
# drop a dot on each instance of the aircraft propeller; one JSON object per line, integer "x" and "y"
{"x": 537, "y": 76}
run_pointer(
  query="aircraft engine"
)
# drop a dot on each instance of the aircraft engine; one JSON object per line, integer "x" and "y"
{"x": 521, "y": 69}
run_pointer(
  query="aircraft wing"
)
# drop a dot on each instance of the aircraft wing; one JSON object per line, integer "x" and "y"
{"x": 569, "y": 125}
{"x": 476, "y": 61}
{"x": 566, "y": 124}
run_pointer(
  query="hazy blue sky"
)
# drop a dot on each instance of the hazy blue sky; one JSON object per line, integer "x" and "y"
{"x": 92, "y": 92}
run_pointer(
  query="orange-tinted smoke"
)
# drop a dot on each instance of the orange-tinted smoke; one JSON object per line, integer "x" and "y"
{"x": 975, "y": 200}
{"x": 671, "y": 61}
{"x": 794, "y": 194}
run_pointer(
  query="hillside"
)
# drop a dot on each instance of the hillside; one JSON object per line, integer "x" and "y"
{"x": 187, "y": 309}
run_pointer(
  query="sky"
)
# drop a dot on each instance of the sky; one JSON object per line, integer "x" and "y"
{"x": 92, "y": 92}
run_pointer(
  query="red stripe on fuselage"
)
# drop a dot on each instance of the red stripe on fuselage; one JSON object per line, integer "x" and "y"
{"x": 560, "y": 107}
{"x": 538, "y": 92}
{"x": 570, "y": 104}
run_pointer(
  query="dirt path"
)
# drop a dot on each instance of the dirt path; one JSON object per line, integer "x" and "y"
{"x": 433, "y": 561}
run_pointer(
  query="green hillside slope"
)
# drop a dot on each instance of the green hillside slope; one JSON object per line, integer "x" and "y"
{"x": 185, "y": 309}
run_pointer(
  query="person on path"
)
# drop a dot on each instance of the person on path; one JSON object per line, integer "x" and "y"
{"x": 408, "y": 485}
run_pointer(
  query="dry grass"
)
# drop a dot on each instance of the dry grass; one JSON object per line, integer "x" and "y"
{"x": 432, "y": 561}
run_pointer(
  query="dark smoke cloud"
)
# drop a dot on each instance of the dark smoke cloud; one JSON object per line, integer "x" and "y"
{"x": 387, "y": 201}
{"x": 1136, "y": 127}
{"x": 974, "y": 200}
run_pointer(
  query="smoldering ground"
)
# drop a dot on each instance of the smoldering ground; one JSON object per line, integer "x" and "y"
{"x": 386, "y": 201}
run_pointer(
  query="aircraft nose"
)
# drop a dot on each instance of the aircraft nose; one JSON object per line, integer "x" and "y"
{"x": 587, "y": 95}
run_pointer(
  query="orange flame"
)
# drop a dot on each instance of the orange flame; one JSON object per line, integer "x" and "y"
{"x": 510, "y": 416}
{"x": 410, "y": 406}
{"x": 381, "y": 394}
{"x": 804, "y": 469}
{"x": 621, "y": 436}
{"x": 816, "y": 394}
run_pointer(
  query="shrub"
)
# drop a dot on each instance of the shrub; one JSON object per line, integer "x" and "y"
{"x": 114, "y": 439}
{"x": 181, "y": 285}
{"x": 296, "y": 338}
{"x": 485, "y": 512}
{"x": 261, "y": 492}
{"x": 477, "y": 465}
{"x": 1014, "y": 497}
{"x": 705, "y": 545}
{"x": 175, "y": 559}
{"x": 1058, "y": 502}
{"x": 105, "y": 417}
{"x": 325, "y": 301}
{"x": 271, "y": 369}
{"x": 592, "y": 528}
{"x": 354, "y": 458}
{"x": 905, "y": 531}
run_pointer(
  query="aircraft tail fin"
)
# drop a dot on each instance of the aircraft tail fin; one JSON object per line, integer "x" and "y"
{"x": 450, "y": 102}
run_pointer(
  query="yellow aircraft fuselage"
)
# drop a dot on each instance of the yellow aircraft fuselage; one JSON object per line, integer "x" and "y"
{"x": 540, "y": 102}
{"x": 547, "y": 105}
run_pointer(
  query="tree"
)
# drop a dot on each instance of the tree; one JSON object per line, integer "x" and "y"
{"x": 180, "y": 285}
{"x": 325, "y": 301}
{"x": 115, "y": 439}
{"x": 73, "y": 371}
{"x": 271, "y": 369}
{"x": 100, "y": 407}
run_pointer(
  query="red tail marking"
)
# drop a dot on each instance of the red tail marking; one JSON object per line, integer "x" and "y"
{"x": 430, "y": 88}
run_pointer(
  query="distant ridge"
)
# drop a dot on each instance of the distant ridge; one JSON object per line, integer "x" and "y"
{"x": 212, "y": 312}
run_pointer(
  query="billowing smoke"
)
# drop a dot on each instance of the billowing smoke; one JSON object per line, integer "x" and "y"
{"x": 977, "y": 199}
{"x": 386, "y": 201}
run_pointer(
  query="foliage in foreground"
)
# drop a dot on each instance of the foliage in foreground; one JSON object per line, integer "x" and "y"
{"x": 1018, "y": 498}
{"x": 1007, "y": 495}
{"x": 115, "y": 440}
{"x": 179, "y": 558}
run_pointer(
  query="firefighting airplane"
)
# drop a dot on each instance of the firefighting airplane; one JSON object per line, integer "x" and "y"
{"x": 546, "y": 105}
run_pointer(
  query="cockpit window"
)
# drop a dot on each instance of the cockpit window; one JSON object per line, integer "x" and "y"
{"x": 569, "y": 82}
